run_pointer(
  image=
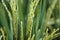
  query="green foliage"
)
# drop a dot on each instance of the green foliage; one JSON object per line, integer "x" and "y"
{"x": 29, "y": 19}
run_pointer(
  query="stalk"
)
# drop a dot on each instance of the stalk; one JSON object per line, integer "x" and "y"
{"x": 10, "y": 37}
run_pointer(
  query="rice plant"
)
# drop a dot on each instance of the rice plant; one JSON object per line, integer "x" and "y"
{"x": 29, "y": 19}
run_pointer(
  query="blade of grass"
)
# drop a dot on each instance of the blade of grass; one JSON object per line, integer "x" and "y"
{"x": 10, "y": 37}
{"x": 42, "y": 18}
{"x": 20, "y": 10}
{"x": 59, "y": 8}
{"x": 20, "y": 14}
{"x": 38, "y": 10}
{"x": 22, "y": 37}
